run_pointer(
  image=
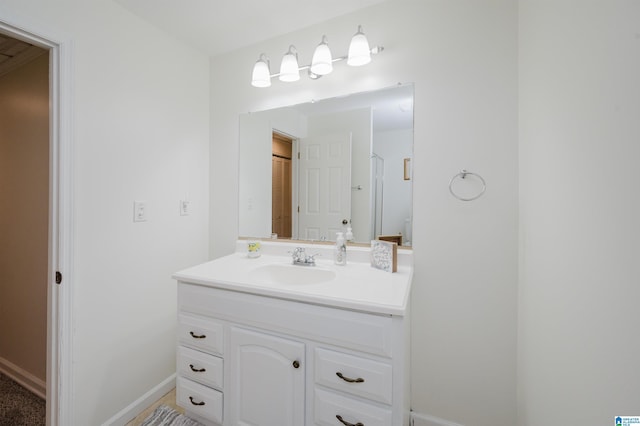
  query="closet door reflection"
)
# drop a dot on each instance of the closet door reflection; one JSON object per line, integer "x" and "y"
{"x": 281, "y": 186}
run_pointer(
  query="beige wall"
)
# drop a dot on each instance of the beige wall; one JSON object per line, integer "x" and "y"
{"x": 24, "y": 191}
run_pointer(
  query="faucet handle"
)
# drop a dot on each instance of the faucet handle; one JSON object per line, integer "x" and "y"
{"x": 298, "y": 254}
{"x": 311, "y": 259}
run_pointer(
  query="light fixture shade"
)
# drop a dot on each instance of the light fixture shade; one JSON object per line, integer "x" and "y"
{"x": 322, "y": 62}
{"x": 359, "y": 50}
{"x": 289, "y": 70}
{"x": 261, "y": 76}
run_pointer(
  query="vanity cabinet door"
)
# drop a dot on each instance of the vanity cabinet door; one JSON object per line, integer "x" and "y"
{"x": 266, "y": 379}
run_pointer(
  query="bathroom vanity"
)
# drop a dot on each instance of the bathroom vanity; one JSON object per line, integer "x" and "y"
{"x": 263, "y": 342}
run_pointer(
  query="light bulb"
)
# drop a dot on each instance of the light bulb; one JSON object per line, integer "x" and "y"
{"x": 322, "y": 62}
{"x": 261, "y": 75}
{"x": 289, "y": 70}
{"x": 359, "y": 50}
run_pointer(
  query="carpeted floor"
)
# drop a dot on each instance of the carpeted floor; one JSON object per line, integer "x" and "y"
{"x": 18, "y": 406}
{"x": 167, "y": 416}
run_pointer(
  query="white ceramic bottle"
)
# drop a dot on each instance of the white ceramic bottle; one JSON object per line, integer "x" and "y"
{"x": 340, "y": 252}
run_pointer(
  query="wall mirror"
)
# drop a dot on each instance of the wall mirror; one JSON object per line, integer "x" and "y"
{"x": 310, "y": 170}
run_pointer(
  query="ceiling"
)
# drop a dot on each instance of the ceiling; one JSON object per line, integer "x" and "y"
{"x": 211, "y": 26}
{"x": 14, "y": 53}
{"x": 392, "y": 108}
{"x": 220, "y": 26}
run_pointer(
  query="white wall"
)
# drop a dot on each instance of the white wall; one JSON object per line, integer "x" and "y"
{"x": 141, "y": 127}
{"x": 462, "y": 57}
{"x": 24, "y": 216}
{"x": 255, "y": 182}
{"x": 579, "y": 151}
{"x": 394, "y": 146}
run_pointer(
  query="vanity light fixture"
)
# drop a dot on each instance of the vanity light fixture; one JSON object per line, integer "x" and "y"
{"x": 321, "y": 64}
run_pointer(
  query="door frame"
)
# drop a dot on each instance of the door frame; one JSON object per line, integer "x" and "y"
{"x": 59, "y": 297}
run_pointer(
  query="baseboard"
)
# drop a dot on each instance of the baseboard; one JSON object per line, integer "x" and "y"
{"x": 139, "y": 405}
{"x": 22, "y": 376}
{"x": 418, "y": 419}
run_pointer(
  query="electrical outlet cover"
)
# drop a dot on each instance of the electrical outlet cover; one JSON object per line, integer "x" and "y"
{"x": 140, "y": 211}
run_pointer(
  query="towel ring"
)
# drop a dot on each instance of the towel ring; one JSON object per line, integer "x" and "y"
{"x": 463, "y": 175}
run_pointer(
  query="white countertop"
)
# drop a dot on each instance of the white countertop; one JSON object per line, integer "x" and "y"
{"x": 356, "y": 286}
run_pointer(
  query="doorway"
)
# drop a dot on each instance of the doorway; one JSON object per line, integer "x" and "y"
{"x": 58, "y": 204}
{"x": 24, "y": 184}
{"x": 281, "y": 185}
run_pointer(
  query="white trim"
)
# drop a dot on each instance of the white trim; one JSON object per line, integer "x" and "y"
{"x": 62, "y": 307}
{"x": 139, "y": 405}
{"x": 59, "y": 384}
{"x": 418, "y": 419}
{"x": 22, "y": 376}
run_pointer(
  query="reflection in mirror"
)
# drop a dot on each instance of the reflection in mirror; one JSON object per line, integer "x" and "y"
{"x": 308, "y": 171}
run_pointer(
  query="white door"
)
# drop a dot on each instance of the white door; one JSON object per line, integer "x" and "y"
{"x": 324, "y": 198}
{"x": 267, "y": 380}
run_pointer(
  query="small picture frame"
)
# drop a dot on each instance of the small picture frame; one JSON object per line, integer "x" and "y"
{"x": 384, "y": 255}
{"x": 407, "y": 169}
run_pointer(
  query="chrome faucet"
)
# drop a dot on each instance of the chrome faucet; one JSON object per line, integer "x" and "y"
{"x": 300, "y": 257}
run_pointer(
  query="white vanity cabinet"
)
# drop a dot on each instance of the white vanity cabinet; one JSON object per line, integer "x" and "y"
{"x": 279, "y": 362}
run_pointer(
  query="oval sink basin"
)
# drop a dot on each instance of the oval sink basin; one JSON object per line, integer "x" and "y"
{"x": 291, "y": 274}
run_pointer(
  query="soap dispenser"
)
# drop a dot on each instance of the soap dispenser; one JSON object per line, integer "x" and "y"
{"x": 340, "y": 253}
{"x": 349, "y": 235}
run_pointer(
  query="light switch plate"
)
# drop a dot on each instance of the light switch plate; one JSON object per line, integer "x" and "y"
{"x": 185, "y": 208}
{"x": 140, "y": 211}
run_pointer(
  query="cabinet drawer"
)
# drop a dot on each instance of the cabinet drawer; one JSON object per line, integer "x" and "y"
{"x": 201, "y": 333}
{"x": 327, "y": 406}
{"x": 200, "y": 367}
{"x": 354, "y": 330}
{"x": 360, "y": 376}
{"x": 199, "y": 399}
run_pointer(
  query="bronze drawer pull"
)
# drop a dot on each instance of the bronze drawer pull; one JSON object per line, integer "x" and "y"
{"x": 197, "y": 336}
{"x": 197, "y": 370}
{"x": 296, "y": 364}
{"x": 195, "y": 403}
{"x": 349, "y": 380}
{"x": 346, "y": 423}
